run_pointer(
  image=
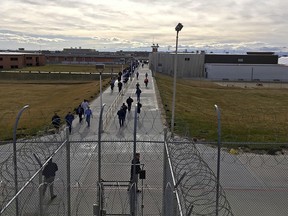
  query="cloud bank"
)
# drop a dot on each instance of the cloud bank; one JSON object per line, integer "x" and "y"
{"x": 136, "y": 25}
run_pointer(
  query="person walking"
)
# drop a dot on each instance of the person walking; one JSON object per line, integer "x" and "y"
{"x": 129, "y": 102}
{"x": 69, "y": 119}
{"x": 85, "y": 105}
{"x": 80, "y": 112}
{"x": 146, "y": 82}
{"x": 120, "y": 75}
{"x": 56, "y": 121}
{"x": 137, "y": 75}
{"x": 138, "y": 93}
{"x": 139, "y": 106}
{"x": 121, "y": 116}
{"x": 120, "y": 84}
{"x": 49, "y": 173}
{"x": 134, "y": 173}
{"x": 137, "y": 85}
{"x": 112, "y": 83}
{"x": 88, "y": 115}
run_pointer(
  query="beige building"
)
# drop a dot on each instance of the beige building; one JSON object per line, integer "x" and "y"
{"x": 13, "y": 60}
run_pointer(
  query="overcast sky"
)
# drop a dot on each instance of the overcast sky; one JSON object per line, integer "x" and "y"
{"x": 137, "y": 24}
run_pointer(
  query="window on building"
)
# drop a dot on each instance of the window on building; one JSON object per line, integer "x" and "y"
{"x": 14, "y": 66}
{"x": 28, "y": 58}
{"x": 187, "y": 59}
{"x": 1, "y": 67}
{"x": 1, "y": 59}
{"x": 29, "y": 64}
{"x": 14, "y": 59}
{"x": 240, "y": 60}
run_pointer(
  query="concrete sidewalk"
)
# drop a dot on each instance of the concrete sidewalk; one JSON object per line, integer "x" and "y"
{"x": 117, "y": 153}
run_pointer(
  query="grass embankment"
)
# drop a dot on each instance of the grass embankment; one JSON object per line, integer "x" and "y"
{"x": 44, "y": 98}
{"x": 73, "y": 68}
{"x": 247, "y": 114}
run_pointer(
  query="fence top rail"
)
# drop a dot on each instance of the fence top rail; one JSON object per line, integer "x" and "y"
{"x": 174, "y": 180}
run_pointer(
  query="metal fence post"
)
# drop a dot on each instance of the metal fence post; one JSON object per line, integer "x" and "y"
{"x": 100, "y": 130}
{"x": 15, "y": 157}
{"x": 40, "y": 186}
{"x": 133, "y": 195}
{"x": 218, "y": 158}
{"x": 40, "y": 194}
{"x": 165, "y": 160}
{"x": 68, "y": 173}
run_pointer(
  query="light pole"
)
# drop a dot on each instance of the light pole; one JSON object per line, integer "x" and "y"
{"x": 100, "y": 189}
{"x": 15, "y": 157}
{"x": 100, "y": 68}
{"x": 177, "y": 29}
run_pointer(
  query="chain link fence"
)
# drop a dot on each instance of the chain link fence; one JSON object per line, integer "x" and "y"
{"x": 180, "y": 172}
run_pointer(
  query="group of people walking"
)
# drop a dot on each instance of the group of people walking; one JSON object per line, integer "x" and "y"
{"x": 123, "y": 109}
{"x": 83, "y": 111}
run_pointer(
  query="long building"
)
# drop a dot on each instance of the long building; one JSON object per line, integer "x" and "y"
{"x": 91, "y": 56}
{"x": 252, "y": 66}
{"x": 13, "y": 60}
{"x": 22, "y": 58}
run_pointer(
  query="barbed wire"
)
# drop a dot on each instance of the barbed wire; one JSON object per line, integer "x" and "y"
{"x": 198, "y": 185}
{"x": 197, "y": 188}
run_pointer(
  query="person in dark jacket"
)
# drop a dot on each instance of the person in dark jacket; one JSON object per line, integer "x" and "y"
{"x": 146, "y": 82}
{"x": 139, "y": 106}
{"x": 120, "y": 84}
{"x": 56, "y": 121}
{"x": 112, "y": 83}
{"x": 138, "y": 93}
{"x": 80, "y": 112}
{"x": 121, "y": 116}
{"x": 69, "y": 119}
{"x": 135, "y": 162}
{"x": 129, "y": 102}
{"x": 49, "y": 173}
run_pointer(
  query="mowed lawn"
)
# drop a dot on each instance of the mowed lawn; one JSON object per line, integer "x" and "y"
{"x": 254, "y": 114}
{"x": 44, "y": 98}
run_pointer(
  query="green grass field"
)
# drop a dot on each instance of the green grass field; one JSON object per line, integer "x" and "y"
{"x": 247, "y": 114}
{"x": 44, "y": 99}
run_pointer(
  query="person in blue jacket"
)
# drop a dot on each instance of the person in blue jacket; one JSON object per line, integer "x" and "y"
{"x": 69, "y": 119}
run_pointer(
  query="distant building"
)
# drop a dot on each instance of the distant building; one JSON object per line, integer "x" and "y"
{"x": 13, "y": 60}
{"x": 21, "y": 58}
{"x": 253, "y": 66}
{"x": 91, "y": 56}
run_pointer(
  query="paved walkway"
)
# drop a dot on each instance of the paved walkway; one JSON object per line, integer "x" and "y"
{"x": 117, "y": 151}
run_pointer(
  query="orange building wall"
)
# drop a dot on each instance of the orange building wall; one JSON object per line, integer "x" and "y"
{"x": 14, "y": 61}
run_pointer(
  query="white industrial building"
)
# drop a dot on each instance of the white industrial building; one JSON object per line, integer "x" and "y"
{"x": 254, "y": 66}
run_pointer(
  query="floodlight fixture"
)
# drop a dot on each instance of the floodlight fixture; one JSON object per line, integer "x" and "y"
{"x": 179, "y": 27}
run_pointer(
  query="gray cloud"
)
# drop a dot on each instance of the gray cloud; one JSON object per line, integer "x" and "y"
{"x": 211, "y": 23}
